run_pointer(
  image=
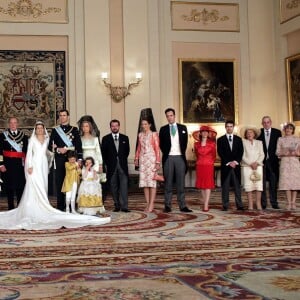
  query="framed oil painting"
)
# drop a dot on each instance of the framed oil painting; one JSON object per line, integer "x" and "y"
{"x": 32, "y": 86}
{"x": 207, "y": 91}
{"x": 293, "y": 87}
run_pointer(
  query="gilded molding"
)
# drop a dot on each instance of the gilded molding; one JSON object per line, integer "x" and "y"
{"x": 293, "y": 4}
{"x": 205, "y": 16}
{"x": 26, "y": 8}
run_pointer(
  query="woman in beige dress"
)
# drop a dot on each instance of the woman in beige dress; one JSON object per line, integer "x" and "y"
{"x": 252, "y": 166}
{"x": 288, "y": 150}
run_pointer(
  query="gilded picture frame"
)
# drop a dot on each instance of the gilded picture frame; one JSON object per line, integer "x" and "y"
{"x": 293, "y": 87}
{"x": 205, "y": 16}
{"x": 207, "y": 91}
{"x": 289, "y": 9}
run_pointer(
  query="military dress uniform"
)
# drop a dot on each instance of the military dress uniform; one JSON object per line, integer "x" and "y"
{"x": 13, "y": 160}
{"x": 73, "y": 136}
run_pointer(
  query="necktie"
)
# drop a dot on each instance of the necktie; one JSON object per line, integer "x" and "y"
{"x": 267, "y": 138}
{"x": 173, "y": 130}
{"x": 14, "y": 133}
{"x": 116, "y": 142}
{"x": 230, "y": 141}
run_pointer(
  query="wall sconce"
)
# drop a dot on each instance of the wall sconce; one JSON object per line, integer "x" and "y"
{"x": 118, "y": 93}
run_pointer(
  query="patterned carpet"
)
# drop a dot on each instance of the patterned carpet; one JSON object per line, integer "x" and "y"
{"x": 214, "y": 255}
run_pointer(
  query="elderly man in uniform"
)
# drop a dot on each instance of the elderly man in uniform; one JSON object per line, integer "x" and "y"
{"x": 13, "y": 148}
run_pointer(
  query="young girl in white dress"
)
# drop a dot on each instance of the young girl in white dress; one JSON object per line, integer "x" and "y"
{"x": 90, "y": 194}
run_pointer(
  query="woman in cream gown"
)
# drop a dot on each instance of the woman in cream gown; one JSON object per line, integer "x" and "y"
{"x": 91, "y": 148}
{"x": 252, "y": 166}
{"x": 34, "y": 211}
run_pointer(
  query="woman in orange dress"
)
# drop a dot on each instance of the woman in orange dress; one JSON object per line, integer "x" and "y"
{"x": 205, "y": 151}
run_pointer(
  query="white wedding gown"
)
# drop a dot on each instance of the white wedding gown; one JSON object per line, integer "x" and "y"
{"x": 34, "y": 211}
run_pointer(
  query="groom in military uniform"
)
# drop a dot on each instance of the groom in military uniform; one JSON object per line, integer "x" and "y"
{"x": 13, "y": 148}
{"x": 63, "y": 138}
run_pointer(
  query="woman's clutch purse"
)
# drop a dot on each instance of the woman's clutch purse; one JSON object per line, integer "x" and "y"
{"x": 158, "y": 177}
{"x": 255, "y": 176}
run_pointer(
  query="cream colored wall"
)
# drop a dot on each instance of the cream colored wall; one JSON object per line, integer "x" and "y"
{"x": 96, "y": 59}
{"x": 263, "y": 97}
{"x": 293, "y": 43}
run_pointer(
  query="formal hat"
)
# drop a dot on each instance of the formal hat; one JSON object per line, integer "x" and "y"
{"x": 249, "y": 127}
{"x": 211, "y": 132}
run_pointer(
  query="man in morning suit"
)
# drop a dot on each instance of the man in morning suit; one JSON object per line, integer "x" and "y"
{"x": 63, "y": 138}
{"x": 269, "y": 137}
{"x": 115, "y": 150}
{"x": 173, "y": 139}
{"x": 13, "y": 148}
{"x": 230, "y": 149}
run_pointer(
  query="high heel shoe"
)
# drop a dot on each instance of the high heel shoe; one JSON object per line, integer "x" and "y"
{"x": 205, "y": 210}
{"x": 293, "y": 206}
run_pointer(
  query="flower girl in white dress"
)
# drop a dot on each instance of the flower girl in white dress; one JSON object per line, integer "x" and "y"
{"x": 90, "y": 194}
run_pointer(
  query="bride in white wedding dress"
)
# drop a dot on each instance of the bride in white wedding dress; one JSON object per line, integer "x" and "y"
{"x": 34, "y": 211}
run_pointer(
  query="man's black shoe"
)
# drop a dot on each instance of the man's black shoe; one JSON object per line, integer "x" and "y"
{"x": 240, "y": 208}
{"x": 224, "y": 209}
{"x": 185, "y": 209}
{"x": 125, "y": 210}
{"x": 275, "y": 206}
{"x": 116, "y": 210}
{"x": 167, "y": 209}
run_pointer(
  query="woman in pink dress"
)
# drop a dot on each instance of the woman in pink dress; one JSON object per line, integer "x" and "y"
{"x": 288, "y": 150}
{"x": 147, "y": 158}
{"x": 205, "y": 151}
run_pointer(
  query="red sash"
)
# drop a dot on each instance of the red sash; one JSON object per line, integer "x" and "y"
{"x": 13, "y": 154}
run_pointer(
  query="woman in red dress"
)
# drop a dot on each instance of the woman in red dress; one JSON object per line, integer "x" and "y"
{"x": 205, "y": 151}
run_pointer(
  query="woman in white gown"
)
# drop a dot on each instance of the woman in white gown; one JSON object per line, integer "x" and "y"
{"x": 34, "y": 211}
